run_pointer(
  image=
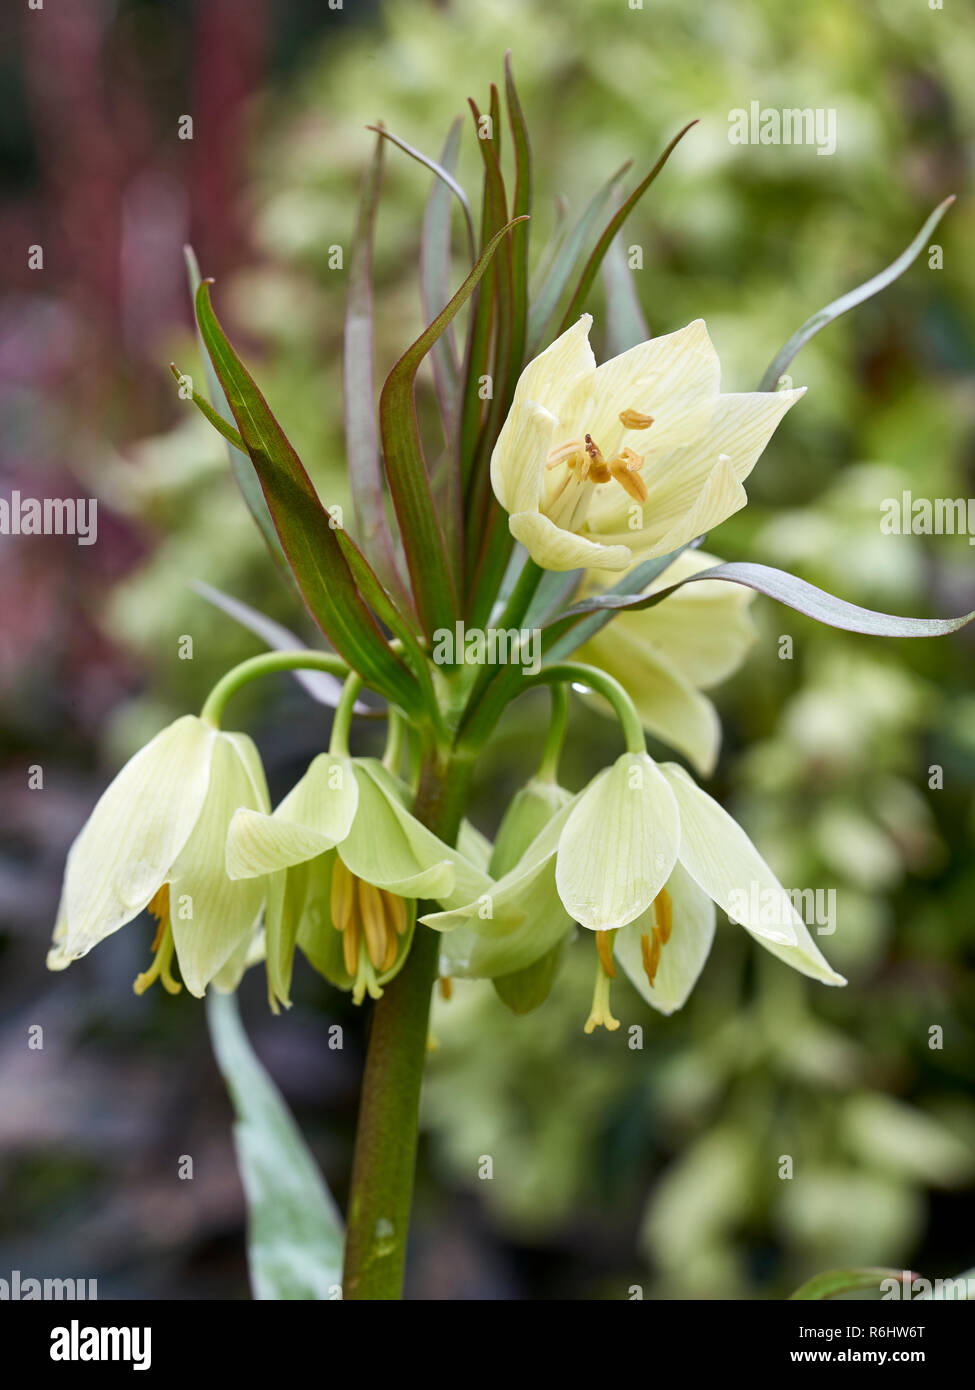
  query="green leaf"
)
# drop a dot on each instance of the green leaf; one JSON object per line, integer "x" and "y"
{"x": 442, "y": 174}
{"x": 358, "y": 391}
{"x": 625, "y": 322}
{"x": 839, "y": 1281}
{"x": 319, "y": 684}
{"x": 570, "y": 249}
{"x": 794, "y": 593}
{"x": 240, "y": 464}
{"x": 307, "y": 533}
{"x": 564, "y": 633}
{"x": 295, "y": 1237}
{"x": 435, "y": 283}
{"x": 423, "y": 541}
{"x": 577, "y": 301}
{"x": 849, "y": 301}
{"x": 521, "y": 205}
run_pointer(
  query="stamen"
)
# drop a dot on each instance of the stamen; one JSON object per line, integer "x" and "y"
{"x": 604, "y": 945}
{"x": 350, "y": 947}
{"x": 663, "y": 911}
{"x": 343, "y": 896}
{"x": 600, "y": 1015}
{"x": 446, "y": 987}
{"x": 396, "y": 907}
{"x": 650, "y": 951}
{"x": 160, "y": 967}
{"x": 373, "y": 921}
{"x": 635, "y": 420}
{"x": 565, "y": 453}
{"x": 625, "y": 470}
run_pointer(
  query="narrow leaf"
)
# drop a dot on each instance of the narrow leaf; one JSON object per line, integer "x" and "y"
{"x": 308, "y": 534}
{"x": 441, "y": 173}
{"x": 565, "y": 260}
{"x": 295, "y": 1238}
{"x": 577, "y": 624}
{"x": 577, "y": 302}
{"x": 433, "y": 583}
{"x": 794, "y": 593}
{"x": 319, "y": 684}
{"x": 240, "y": 464}
{"x": 849, "y": 301}
{"x": 839, "y": 1281}
{"x": 358, "y": 390}
{"x": 521, "y": 206}
{"x": 626, "y": 325}
{"x": 435, "y": 283}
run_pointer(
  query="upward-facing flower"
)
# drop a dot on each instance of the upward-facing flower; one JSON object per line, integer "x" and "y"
{"x": 597, "y": 466}
{"x": 156, "y": 840}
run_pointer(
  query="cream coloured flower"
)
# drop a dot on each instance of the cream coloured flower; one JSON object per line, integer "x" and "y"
{"x": 667, "y": 655}
{"x": 156, "y": 840}
{"x": 640, "y": 857}
{"x": 599, "y": 466}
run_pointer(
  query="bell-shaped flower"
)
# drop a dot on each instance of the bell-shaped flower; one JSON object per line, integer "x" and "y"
{"x": 640, "y": 858}
{"x": 601, "y": 466}
{"x": 156, "y": 840}
{"x": 343, "y": 863}
{"x": 643, "y": 847}
{"x": 667, "y": 655}
{"x": 517, "y": 915}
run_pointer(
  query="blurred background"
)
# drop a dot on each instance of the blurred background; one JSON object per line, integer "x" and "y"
{"x": 612, "y": 1168}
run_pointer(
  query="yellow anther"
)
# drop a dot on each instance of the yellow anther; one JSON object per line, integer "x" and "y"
{"x": 373, "y": 921}
{"x": 396, "y": 908}
{"x": 650, "y": 951}
{"x": 350, "y": 947}
{"x": 663, "y": 911}
{"x": 626, "y": 471}
{"x": 446, "y": 987}
{"x": 635, "y": 420}
{"x": 604, "y": 945}
{"x": 343, "y": 895}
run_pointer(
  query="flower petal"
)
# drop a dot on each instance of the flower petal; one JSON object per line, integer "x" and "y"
{"x": 315, "y": 815}
{"x": 619, "y": 844}
{"x": 675, "y": 379}
{"x": 683, "y": 957}
{"x": 211, "y": 914}
{"x": 718, "y": 854}
{"x": 519, "y": 454}
{"x": 388, "y": 847}
{"x": 138, "y": 827}
{"x": 555, "y": 549}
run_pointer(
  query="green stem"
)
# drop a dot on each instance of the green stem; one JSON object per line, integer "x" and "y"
{"x": 577, "y": 672}
{"x": 342, "y": 722}
{"x": 548, "y": 769}
{"x": 385, "y": 1148}
{"x": 264, "y": 665}
{"x": 396, "y": 741}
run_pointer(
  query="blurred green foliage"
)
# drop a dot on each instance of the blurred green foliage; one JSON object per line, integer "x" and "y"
{"x": 673, "y": 1151}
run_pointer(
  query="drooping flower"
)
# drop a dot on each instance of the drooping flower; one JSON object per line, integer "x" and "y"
{"x": 599, "y": 466}
{"x": 667, "y": 655}
{"x": 155, "y": 840}
{"x": 640, "y": 858}
{"x": 343, "y": 862}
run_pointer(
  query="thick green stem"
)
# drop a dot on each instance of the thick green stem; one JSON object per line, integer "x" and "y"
{"x": 385, "y": 1148}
